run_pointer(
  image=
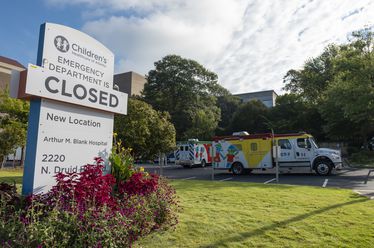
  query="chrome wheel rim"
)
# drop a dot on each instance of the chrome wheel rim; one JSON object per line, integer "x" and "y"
{"x": 323, "y": 168}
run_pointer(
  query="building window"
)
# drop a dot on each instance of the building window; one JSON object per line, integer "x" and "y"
{"x": 253, "y": 147}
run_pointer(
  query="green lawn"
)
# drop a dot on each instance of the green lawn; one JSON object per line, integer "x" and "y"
{"x": 233, "y": 214}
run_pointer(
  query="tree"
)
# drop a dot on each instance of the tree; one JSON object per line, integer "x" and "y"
{"x": 336, "y": 125}
{"x": 13, "y": 124}
{"x": 351, "y": 91}
{"x": 311, "y": 81}
{"x": 186, "y": 90}
{"x": 228, "y": 104}
{"x": 204, "y": 122}
{"x": 251, "y": 116}
{"x": 147, "y": 131}
{"x": 292, "y": 114}
{"x": 339, "y": 84}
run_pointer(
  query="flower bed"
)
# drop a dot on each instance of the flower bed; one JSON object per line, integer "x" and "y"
{"x": 88, "y": 209}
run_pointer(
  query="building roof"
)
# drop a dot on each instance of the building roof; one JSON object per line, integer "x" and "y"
{"x": 11, "y": 62}
{"x": 256, "y": 92}
{"x": 129, "y": 73}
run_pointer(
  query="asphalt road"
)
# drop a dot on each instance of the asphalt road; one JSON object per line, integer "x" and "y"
{"x": 349, "y": 178}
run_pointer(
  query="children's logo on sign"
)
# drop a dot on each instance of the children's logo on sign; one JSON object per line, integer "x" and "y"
{"x": 61, "y": 43}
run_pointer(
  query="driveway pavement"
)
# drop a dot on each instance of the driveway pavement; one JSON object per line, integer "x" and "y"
{"x": 349, "y": 178}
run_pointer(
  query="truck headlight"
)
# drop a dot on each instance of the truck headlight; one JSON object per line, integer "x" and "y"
{"x": 335, "y": 156}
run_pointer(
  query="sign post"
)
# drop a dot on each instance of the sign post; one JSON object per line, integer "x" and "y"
{"x": 71, "y": 108}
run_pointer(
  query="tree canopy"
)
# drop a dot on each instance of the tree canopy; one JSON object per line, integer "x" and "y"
{"x": 293, "y": 114}
{"x": 147, "y": 131}
{"x": 188, "y": 91}
{"x": 312, "y": 80}
{"x": 13, "y": 123}
{"x": 251, "y": 116}
{"x": 340, "y": 85}
{"x": 228, "y": 104}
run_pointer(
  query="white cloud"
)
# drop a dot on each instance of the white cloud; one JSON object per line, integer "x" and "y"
{"x": 281, "y": 35}
{"x": 249, "y": 44}
{"x": 194, "y": 29}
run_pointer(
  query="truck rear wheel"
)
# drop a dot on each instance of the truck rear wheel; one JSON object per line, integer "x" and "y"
{"x": 237, "y": 168}
{"x": 323, "y": 167}
{"x": 203, "y": 163}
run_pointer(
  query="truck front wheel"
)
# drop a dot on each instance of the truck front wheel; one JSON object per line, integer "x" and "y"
{"x": 323, "y": 167}
{"x": 237, "y": 168}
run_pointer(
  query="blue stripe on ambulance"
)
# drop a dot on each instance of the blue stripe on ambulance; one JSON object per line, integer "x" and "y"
{"x": 191, "y": 151}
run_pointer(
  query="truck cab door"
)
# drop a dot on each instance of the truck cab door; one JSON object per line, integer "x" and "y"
{"x": 303, "y": 151}
{"x": 286, "y": 154}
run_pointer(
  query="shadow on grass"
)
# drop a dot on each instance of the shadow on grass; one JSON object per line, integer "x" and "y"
{"x": 245, "y": 235}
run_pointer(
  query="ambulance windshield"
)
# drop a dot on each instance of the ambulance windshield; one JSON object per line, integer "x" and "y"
{"x": 313, "y": 142}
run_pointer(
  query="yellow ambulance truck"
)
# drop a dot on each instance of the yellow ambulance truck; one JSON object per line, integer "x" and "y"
{"x": 246, "y": 152}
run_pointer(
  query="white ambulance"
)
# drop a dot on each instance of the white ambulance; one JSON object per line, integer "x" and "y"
{"x": 238, "y": 153}
{"x": 193, "y": 152}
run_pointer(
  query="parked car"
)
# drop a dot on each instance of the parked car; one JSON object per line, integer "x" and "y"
{"x": 170, "y": 158}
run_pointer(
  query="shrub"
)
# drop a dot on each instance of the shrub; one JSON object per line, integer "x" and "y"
{"x": 9, "y": 197}
{"x": 139, "y": 184}
{"x": 84, "y": 210}
{"x": 88, "y": 189}
{"x": 121, "y": 161}
{"x": 363, "y": 157}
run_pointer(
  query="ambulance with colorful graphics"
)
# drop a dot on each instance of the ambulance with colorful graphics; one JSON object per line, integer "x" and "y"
{"x": 246, "y": 152}
{"x": 193, "y": 153}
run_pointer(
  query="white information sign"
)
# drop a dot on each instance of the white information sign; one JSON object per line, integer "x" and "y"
{"x": 69, "y": 137}
{"x": 63, "y": 137}
{"x": 77, "y": 56}
{"x": 48, "y": 84}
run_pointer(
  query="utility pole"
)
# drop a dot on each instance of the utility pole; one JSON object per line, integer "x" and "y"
{"x": 276, "y": 156}
{"x": 162, "y": 164}
{"x": 274, "y": 143}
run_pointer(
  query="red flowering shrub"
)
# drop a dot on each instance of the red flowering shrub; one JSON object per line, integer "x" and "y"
{"x": 85, "y": 210}
{"x": 139, "y": 184}
{"x": 164, "y": 205}
{"x": 78, "y": 192}
{"x": 88, "y": 189}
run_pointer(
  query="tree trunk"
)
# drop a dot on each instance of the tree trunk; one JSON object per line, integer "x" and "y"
{"x": 14, "y": 159}
{"x": 2, "y": 159}
{"x": 22, "y": 156}
{"x": 364, "y": 135}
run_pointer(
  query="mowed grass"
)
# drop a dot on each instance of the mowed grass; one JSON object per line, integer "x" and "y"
{"x": 234, "y": 214}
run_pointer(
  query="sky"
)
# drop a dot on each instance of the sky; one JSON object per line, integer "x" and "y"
{"x": 249, "y": 44}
